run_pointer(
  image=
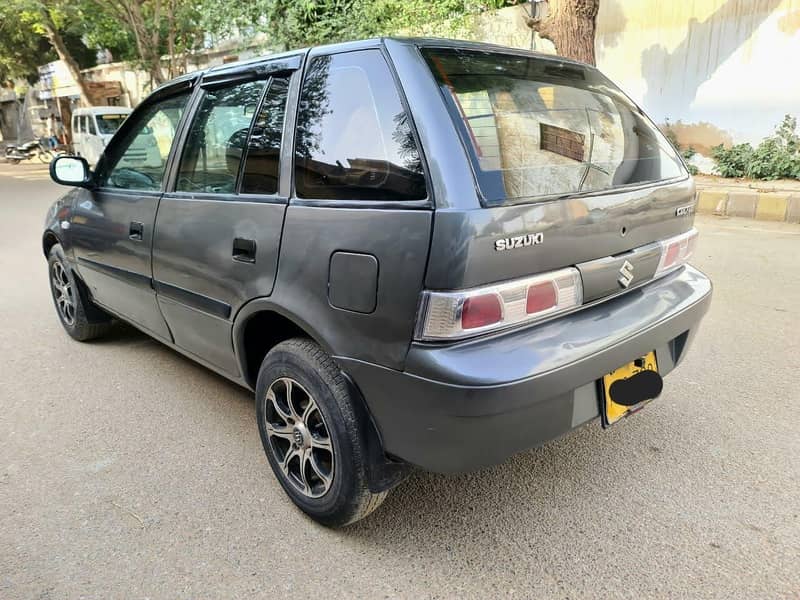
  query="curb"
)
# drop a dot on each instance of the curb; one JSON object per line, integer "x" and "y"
{"x": 763, "y": 206}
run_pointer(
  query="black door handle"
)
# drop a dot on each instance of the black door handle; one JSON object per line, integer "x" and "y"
{"x": 244, "y": 250}
{"x": 136, "y": 232}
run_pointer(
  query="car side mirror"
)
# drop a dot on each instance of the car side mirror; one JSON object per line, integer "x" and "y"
{"x": 71, "y": 170}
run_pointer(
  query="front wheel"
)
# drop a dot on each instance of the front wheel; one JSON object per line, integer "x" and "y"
{"x": 45, "y": 156}
{"x": 81, "y": 319}
{"x": 309, "y": 427}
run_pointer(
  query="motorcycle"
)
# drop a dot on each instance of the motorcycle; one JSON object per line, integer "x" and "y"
{"x": 35, "y": 148}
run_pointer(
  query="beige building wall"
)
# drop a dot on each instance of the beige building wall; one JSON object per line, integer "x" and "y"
{"x": 728, "y": 70}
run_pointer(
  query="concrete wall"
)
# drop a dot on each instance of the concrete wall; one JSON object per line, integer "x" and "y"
{"x": 725, "y": 69}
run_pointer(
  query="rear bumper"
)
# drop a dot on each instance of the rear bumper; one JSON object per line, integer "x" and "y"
{"x": 463, "y": 406}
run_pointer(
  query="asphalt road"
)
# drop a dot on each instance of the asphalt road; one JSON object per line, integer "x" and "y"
{"x": 127, "y": 471}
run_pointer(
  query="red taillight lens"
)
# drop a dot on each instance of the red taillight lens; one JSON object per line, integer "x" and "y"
{"x": 480, "y": 311}
{"x": 466, "y": 313}
{"x": 541, "y": 297}
{"x": 672, "y": 253}
{"x": 676, "y": 251}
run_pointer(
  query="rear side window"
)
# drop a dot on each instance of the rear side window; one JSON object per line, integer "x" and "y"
{"x": 215, "y": 145}
{"x": 354, "y": 139}
{"x": 537, "y": 128}
{"x": 263, "y": 153}
{"x": 90, "y": 122}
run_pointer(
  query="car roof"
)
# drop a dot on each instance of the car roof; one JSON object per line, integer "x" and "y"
{"x": 364, "y": 44}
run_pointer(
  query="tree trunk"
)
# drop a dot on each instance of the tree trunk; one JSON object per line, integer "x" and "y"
{"x": 570, "y": 25}
{"x": 171, "y": 38}
{"x": 147, "y": 39}
{"x": 57, "y": 42}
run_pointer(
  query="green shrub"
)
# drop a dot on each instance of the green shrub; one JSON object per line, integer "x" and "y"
{"x": 777, "y": 157}
{"x": 733, "y": 161}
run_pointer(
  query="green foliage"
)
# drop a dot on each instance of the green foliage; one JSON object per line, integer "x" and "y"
{"x": 21, "y": 50}
{"x": 102, "y": 31}
{"x": 733, "y": 161}
{"x": 23, "y": 45}
{"x": 90, "y": 25}
{"x": 423, "y": 17}
{"x": 777, "y": 157}
{"x": 298, "y": 23}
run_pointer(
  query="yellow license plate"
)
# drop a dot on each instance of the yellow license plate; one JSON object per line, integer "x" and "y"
{"x": 627, "y": 389}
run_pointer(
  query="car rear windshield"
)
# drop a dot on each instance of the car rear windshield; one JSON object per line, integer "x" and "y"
{"x": 539, "y": 128}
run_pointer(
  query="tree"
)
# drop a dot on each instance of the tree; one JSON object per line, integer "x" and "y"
{"x": 21, "y": 51}
{"x": 569, "y": 24}
{"x": 48, "y": 19}
{"x": 30, "y": 20}
{"x": 154, "y": 28}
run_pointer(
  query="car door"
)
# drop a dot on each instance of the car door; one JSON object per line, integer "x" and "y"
{"x": 112, "y": 227}
{"x": 357, "y": 230}
{"x": 218, "y": 232}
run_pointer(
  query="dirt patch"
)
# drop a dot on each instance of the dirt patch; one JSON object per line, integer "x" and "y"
{"x": 701, "y": 136}
{"x": 778, "y": 185}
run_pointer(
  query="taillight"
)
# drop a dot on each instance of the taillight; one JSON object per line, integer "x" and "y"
{"x": 480, "y": 311}
{"x": 541, "y": 296}
{"x": 676, "y": 251}
{"x": 453, "y": 315}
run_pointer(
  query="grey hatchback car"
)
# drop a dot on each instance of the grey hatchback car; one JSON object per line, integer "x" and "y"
{"x": 416, "y": 252}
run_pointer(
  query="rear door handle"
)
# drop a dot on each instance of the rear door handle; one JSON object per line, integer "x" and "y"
{"x": 244, "y": 250}
{"x": 136, "y": 232}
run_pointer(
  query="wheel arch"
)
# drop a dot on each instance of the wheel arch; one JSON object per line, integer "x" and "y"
{"x": 258, "y": 327}
{"x": 49, "y": 239}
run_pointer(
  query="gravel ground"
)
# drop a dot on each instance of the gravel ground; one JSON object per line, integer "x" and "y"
{"x": 127, "y": 471}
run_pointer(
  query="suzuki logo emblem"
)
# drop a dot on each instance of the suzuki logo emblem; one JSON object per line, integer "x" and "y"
{"x": 625, "y": 274}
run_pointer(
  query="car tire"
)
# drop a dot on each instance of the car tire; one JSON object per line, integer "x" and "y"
{"x": 303, "y": 405}
{"x": 79, "y": 316}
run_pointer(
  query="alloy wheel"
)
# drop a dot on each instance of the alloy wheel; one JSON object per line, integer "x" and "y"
{"x": 299, "y": 437}
{"x": 64, "y": 293}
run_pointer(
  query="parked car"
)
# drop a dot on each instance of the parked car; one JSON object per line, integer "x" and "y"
{"x": 93, "y": 127}
{"x": 416, "y": 252}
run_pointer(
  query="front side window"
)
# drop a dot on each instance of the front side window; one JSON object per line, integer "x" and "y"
{"x": 538, "y": 128}
{"x": 354, "y": 139}
{"x": 216, "y": 142}
{"x": 263, "y": 154}
{"x": 138, "y": 160}
{"x": 90, "y": 121}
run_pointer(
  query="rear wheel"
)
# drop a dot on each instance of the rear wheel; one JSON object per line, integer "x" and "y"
{"x": 311, "y": 435}
{"x": 81, "y": 318}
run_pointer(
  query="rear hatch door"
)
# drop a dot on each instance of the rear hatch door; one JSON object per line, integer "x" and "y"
{"x": 570, "y": 172}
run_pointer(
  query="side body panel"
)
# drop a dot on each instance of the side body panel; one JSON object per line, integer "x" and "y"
{"x": 397, "y": 239}
{"x": 200, "y": 287}
{"x": 201, "y": 278}
{"x": 113, "y": 259}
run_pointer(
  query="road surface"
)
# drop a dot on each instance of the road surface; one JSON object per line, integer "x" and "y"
{"x": 127, "y": 471}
